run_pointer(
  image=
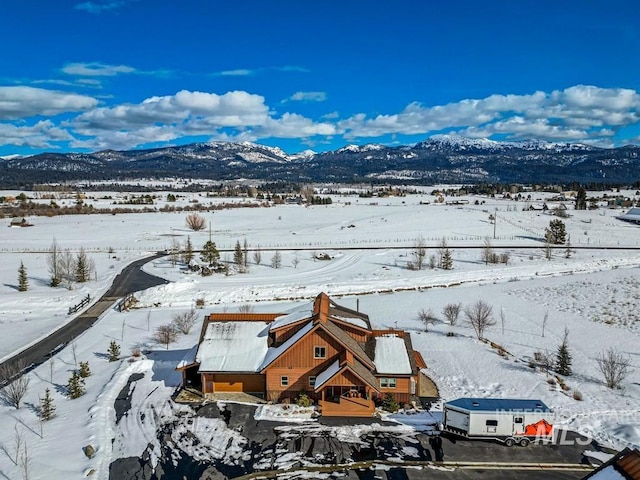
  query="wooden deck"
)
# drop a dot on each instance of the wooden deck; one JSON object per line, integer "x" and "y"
{"x": 347, "y": 407}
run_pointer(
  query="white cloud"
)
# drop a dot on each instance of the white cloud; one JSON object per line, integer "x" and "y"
{"x": 19, "y": 102}
{"x": 36, "y": 136}
{"x": 308, "y": 97}
{"x": 97, "y": 7}
{"x": 190, "y": 113}
{"x": 96, "y": 69}
{"x": 240, "y": 72}
{"x": 578, "y": 113}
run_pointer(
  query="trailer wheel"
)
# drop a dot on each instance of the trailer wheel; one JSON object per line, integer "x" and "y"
{"x": 524, "y": 442}
{"x": 510, "y": 442}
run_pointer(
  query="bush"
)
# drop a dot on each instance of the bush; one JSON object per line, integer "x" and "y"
{"x": 389, "y": 403}
{"x": 200, "y": 302}
{"x": 136, "y": 351}
{"x": 577, "y": 395}
{"x": 303, "y": 400}
{"x": 113, "y": 351}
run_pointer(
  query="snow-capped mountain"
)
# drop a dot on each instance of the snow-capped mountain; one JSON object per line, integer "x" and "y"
{"x": 441, "y": 158}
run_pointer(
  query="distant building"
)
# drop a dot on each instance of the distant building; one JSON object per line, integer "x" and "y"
{"x": 623, "y": 466}
{"x": 633, "y": 216}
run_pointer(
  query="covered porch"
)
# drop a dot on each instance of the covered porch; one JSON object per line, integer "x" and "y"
{"x": 346, "y": 390}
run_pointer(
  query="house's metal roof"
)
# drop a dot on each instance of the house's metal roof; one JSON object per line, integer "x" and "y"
{"x": 498, "y": 404}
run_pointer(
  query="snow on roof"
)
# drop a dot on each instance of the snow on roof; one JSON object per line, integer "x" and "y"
{"x": 391, "y": 355}
{"x": 608, "y": 473}
{"x": 275, "y": 352}
{"x": 498, "y": 404}
{"x": 357, "y": 321}
{"x": 326, "y": 374}
{"x": 297, "y": 314}
{"x": 633, "y": 215}
{"x": 189, "y": 357}
{"x": 233, "y": 347}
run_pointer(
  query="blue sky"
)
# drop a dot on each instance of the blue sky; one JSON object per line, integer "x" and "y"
{"x": 87, "y": 75}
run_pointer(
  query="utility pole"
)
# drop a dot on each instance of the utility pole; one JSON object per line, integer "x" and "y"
{"x": 495, "y": 220}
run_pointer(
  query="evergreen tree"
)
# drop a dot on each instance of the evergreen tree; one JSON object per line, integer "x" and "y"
{"x": 47, "y": 408}
{"x": 210, "y": 253}
{"x": 581, "y": 199}
{"x": 447, "y": 259}
{"x": 75, "y": 387}
{"x": 187, "y": 256}
{"x": 85, "y": 371}
{"x": 389, "y": 403}
{"x": 114, "y": 351}
{"x": 238, "y": 256}
{"x": 556, "y": 233}
{"x": 568, "y": 250}
{"x": 23, "y": 281}
{"x": 82, "y": 267}
{"x": 563, "y": 356}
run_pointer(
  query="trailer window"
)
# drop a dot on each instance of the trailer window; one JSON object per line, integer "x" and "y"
{"x": 491, "y": 423}
{"x": 518, "y": 420}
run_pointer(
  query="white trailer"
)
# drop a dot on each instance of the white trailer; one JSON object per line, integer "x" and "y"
{"x": 507, "y": 420}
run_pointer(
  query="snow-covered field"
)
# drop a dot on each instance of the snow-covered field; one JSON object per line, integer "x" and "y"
{"x": 594, "y": 293}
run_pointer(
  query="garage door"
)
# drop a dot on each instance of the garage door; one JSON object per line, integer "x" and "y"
{"x": 228, "y": 386}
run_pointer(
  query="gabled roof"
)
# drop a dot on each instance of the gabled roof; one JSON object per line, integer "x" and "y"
{"x": 275, "y": 352}
{"x": 348, "y": 341}
{"x": 303, "y": 312}
{"x": 347, "y": 315}
{"x": 357, "y": 368}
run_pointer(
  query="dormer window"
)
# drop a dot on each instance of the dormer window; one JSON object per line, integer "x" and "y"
{"x": 319, "y": 352}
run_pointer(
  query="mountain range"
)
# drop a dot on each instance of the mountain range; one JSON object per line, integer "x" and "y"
{"x": 441, "y": 158}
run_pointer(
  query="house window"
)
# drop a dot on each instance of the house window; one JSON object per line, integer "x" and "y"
{"x": 312, "y": 381}
{"x": 319, "y": 352}
{"x": 388, "y": 382}
{"x": 284, "y": 381}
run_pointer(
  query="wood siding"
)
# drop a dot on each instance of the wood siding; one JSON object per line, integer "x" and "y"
{"x": 301, "y": 354}
{"x": 344, "y": 378}
{"x": 403, "y": 385}
{"x": 357, "y": 334}
{"x": 233, "y": 382}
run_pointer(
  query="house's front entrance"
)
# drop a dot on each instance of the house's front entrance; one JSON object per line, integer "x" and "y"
{"x": 346, "y": 401}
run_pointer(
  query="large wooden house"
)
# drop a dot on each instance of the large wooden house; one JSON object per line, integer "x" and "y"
{"x": 323, "y": 349}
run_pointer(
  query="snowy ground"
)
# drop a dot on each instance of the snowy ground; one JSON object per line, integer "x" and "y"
{"x": 595, "y": 294}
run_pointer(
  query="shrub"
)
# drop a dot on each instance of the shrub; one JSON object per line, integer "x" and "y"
{"x": 303, "y": 400}
{"x": 389, "y": 403}
{"x": 136, "y": 351}
{"x": 85, "y": 371}
{"x": 113, "y": 351}
{"x": 200, "y": 302}
{"x": 577, "y": 395}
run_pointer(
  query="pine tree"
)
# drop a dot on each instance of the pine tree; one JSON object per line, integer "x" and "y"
{"x": 556, "y": 232}
{"x": 238, "y": 256}
{"x": 85, "y": 371}
{"x": 82, "y": 267}
{"x": 447, "y": 259}
{"x": 563, "y": 357}
{"x": 47, "y": 408}
{"x": 581, "y": 199}
{"x": 568, "y": 250}
{"x": 75, "y": 387}
{"x": 210, "y": 253}
{"x": 187, "y": 256}
{"x": 23, "y": 281}
{"x": 114, "y": 351}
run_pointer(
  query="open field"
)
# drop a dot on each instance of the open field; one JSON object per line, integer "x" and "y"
{"x": 595, "y": 294}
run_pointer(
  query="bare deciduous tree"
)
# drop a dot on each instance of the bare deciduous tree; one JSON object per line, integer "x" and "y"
{"x": 15, "y": 384}
{"x": 544, "y": 322}
{"x": 480, "y": 317}
{"x": 257, "y": 255}
{"x": 426, "y": 317}
{"x": 487, "y": 251}
{"x": 184, "y": 322}
{"x": 165, "y": 335}
{"x": 67, "y": 267}
{"x": 53, "y": 264}
{"x": 276, "y": 259}
{"x": 246, "y": 308}
{"x": 418, "y": 253}
{"x": 195, "y": 222}
{"x": 614, "y": 367}
{"x": 451, "y": 312}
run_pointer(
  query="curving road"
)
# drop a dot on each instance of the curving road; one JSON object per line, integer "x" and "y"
{"x": 131, "y": 279}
